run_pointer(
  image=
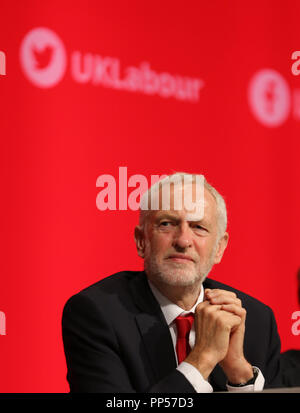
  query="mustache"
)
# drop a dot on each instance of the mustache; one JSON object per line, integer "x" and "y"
{"x": 188, "y": 257}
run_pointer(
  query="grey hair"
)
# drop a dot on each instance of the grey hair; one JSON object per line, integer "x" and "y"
{"x": 220, "y": 202}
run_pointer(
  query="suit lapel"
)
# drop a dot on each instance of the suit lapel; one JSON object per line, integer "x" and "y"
{"x": 153, "y": 328}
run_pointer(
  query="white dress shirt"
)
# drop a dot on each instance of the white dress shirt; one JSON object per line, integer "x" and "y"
{"x": 171, "y": 311}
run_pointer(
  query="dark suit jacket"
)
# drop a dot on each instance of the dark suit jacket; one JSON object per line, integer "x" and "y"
{"x": 116, "y": 339}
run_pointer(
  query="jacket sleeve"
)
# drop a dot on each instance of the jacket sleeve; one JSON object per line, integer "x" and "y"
{"x": 272, "y": 371}
{"x": 93, "y": 356}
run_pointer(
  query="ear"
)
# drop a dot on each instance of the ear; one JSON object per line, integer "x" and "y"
{"x": 139, "y": 238}
{"x": 222, "y": 244}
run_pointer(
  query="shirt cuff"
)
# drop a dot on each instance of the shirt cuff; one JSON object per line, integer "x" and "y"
{"x": 257, "y": 386}
{"x": 194, "y": 376}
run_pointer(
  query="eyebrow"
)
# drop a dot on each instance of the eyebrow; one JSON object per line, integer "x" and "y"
{"x": 174, "y": 217}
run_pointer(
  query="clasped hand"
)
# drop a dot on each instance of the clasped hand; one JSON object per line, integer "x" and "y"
{"x": 220, "y": 328}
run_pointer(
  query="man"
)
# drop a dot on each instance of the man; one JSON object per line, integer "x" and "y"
{"x": 169, "y": 328}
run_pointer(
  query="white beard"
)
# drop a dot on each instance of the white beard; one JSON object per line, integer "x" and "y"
{"x": 178, "y": 274}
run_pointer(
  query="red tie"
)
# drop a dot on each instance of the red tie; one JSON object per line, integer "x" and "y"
{"x": 184, "y": 325}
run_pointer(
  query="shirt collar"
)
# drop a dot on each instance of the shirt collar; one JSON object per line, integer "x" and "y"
{"x": 169, "y": 309}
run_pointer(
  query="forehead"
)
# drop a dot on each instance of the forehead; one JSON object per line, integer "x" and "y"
{"x": 209, "y": 213}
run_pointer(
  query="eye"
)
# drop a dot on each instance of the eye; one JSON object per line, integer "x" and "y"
{"x": 199, "y": 228}
{"x": 165, "y": 224}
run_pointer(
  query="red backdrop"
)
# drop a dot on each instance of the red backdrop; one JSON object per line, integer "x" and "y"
{"x": 218, "y": 97}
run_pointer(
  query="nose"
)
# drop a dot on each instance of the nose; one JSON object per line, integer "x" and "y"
{"x": 183, "y": 236}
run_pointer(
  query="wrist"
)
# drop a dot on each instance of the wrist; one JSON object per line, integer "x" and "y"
{"x": 203, "y": 362}
{"x": 239, "y": 373}
{"x": 249, "y": 382}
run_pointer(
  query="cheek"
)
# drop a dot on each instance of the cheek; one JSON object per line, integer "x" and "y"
{"x": 160, "y": 242}
{"x": 205, "y": 246}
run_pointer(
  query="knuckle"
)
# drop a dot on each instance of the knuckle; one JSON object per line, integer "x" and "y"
{"x": 214, "y": 315}
{"x": 219, "y": 321}
{"x": 201, "y": 308}
{"x": 207, "y": 310}
{"x": 227, "y": 327}
{"x": 221, "y": 317}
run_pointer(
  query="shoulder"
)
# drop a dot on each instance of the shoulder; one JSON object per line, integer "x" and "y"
{"x": 104, "y": 293}
{"x": 112, "y": 283}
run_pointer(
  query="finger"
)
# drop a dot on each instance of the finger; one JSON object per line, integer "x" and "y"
{"x": 233, "y": 319}
{"x": 218, "y": 296}
{"x": 225, "y": 299}
{"x": 204, "y": 303}
{"x": 235, "y": 309}
{"x": 205, "y": 309}
{"x": 217, "y": 292}
{"x": 208, "y": 306}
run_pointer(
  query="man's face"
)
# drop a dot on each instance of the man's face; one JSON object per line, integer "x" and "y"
{"x": 177, "y": 251}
